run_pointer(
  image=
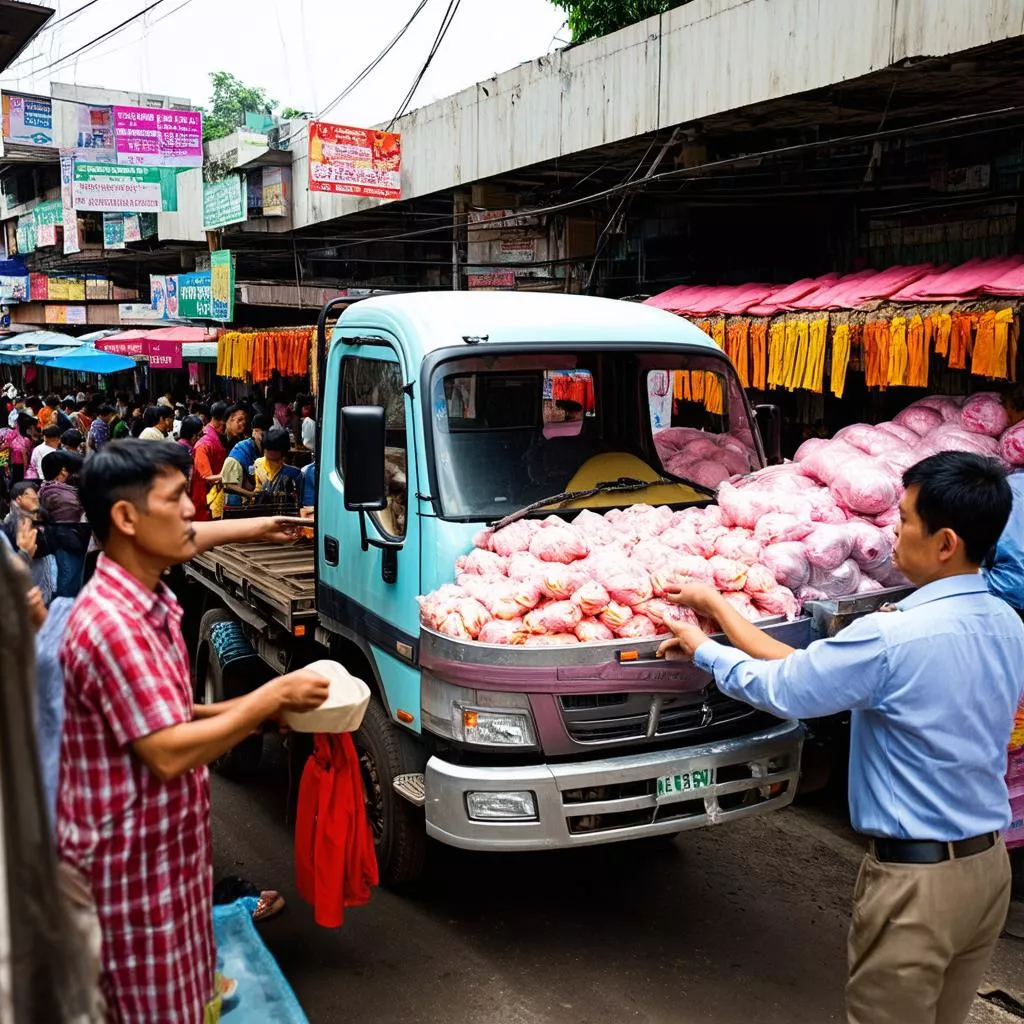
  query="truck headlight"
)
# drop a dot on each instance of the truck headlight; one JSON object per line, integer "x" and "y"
{"x": 482, "y": 718}
{"x": 492, "y": 727}
{"x": 515, "y": 805}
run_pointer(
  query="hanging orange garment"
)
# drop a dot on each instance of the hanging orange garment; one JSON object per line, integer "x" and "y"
{"x": 1001, "y": 344}
{"x": 697, "y": 386}
{"x": 917, "y": 353}
{"x": 704, "y": 325}
{"x": 984, "y": 350}
{"x": 1013, "y": 334}
{"x": 713, "y": 394}
{"x": 758, "y": 352}
{"x": 677, "y": 385}
{"x": 840, "y": 358}
{"x": 959, "y": 341}
{"x": 896, "y": 372}
{"x": 883, "y": 340}
{"x": 737, "y": 348}
{"x": 776, "y": 353}
{"x": 687, "y": 394}
{"x": 943, "y": 330}
{"x": 718, "y": 333}
{"x": 868, "y": 347}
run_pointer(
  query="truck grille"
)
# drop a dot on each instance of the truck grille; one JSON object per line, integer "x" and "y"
{"x": 620, "y": 717}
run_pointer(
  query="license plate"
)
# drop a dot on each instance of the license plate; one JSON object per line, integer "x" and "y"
{"x": 672, "y": 787}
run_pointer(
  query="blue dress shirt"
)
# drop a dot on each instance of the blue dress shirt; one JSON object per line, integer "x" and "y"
{"x": 309, "y": 484}
{"x": 1006, "y": 576}
{"x": 933, "y": 687}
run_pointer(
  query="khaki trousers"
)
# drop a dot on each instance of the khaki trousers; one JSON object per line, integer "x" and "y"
{"x": 922, "y": 935}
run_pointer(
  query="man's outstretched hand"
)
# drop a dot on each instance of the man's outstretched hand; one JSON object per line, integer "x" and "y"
{"x": 686, "y": 640}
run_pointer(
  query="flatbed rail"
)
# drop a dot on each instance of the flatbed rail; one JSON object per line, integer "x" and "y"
{"x": 277, "y": 583}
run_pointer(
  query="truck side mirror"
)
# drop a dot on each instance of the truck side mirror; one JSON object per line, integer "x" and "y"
{"x": 769, "y": 425}
{"x": 362, "y": 458}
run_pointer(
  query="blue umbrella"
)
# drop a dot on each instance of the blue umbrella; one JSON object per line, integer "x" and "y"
{"x": 87, "y": 360}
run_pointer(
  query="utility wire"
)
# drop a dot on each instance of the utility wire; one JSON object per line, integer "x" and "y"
{"x": 99, "y": 39}
{"x": 364, "y": 74}
{"x": 446, "y": 21}
{"x": 69, "y": 15}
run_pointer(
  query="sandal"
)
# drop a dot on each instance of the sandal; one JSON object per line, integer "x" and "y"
{"x": 271, "y": 904}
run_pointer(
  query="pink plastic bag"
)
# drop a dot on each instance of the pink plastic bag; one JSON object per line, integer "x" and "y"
{"x": 780, "y": 601}
{"x": 729, "y": 574}
{"x": 556, "y": 617}
{"x": 591, "y": 631}
{"x": 788, "y": 563}
{"x": 827, "y": 547}
{"x": 838, "y": 582}
{"x": 1011, "y": 445}
{"x": 513, "y": 538}
{"x": 919, "y": 419}
{"x": 760, "y": 579}
{"x": 871, "y": 547}
{"x": 559, "y": 544}
{"x": 591, "y": 598}
{"x": 863, "y": 486}
{"x": 984, "y": 413}
{"x": 497, "y": 631}
{"x": 639, "y": 627}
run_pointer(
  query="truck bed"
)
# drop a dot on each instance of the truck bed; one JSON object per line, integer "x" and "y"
{"x": 277, "y": 583}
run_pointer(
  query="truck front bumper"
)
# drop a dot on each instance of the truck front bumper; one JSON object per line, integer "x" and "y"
{"x": 610, "y": 799}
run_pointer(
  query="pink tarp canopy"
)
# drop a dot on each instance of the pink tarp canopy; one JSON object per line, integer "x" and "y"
{"x": 920, "y": 282}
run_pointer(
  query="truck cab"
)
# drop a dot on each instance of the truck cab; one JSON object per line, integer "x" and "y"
{"x": 441, "y": 413}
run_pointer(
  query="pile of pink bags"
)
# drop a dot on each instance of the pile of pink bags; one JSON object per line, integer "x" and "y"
{"x": 820, "y": 527}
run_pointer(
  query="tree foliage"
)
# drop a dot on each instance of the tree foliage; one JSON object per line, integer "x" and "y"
{"x": 230, "y": 102}
{"x": 589, "y": 19}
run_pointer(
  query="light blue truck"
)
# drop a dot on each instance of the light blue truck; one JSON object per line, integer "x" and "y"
{"x": 440, "y": 413}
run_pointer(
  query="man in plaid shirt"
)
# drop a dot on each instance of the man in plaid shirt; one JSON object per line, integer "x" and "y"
{"x": 134, "y": 797}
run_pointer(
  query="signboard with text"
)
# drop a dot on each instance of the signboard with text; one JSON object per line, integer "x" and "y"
{"x": 116, "y": 189}
{"x": 148, "y": 136}
{"x": 64, "y": 314}
{"x": 194, "y": 298}
{"x": 224, "y": 202}
{"x": 26, "y": 120}
{"x": 70, "y": 218}
{"x": 95, "y": 140}
{"x": 222, "y": 285}
{"x": 160, "y": 354}
{"x": 354, "y": 161}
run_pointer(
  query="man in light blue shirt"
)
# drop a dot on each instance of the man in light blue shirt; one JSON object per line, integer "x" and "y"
{"x": 933, "y": 686}
{"x": 1005, "y": 577}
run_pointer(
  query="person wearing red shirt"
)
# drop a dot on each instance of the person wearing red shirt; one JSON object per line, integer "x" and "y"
{"x": 208, "y": 455}
{"x": 133, "y": 805}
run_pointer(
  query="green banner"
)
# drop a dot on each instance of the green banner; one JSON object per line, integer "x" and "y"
{"x": 223, "y": 202}
{"x": 120, "y": 188}
{"x": 49, "y": 213}
{"x": 222, "y": 285}
{"x": 194, "y": 300}
{"x": 26, "y": 234}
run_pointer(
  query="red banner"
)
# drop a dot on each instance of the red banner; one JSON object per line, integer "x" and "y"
{"x": 354, "y": 161}
{"x": 161, "y": 355}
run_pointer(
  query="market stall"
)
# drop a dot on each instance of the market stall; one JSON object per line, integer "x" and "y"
{"x": 837, "y": 349}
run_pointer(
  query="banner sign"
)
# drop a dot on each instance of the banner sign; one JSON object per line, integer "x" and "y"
{"x": 26, "y": 234}
{"x": 194, "y": 295}
{"x": 277, "y": 186}
{"x": 14, "y": 288}
{"x": 47, "y": 216}
{"x": 354, "y": 161}
{"x": 68, "y": 215}
{"x": 501, "y": 280}
{"x": 38, "y": 287}
{"x": 64, "y": 315}
{"x": 224, "y": 202}
{"x": 128, "y": 312}
{"x": 116, "y": 189}
{"x": 161, "y": 355}
{"x": 222, "y": 285}
{"x": 147, "y": 136}
{"x": 95, "y": 141}
{"x": 27, "y": 120}
{"x": 113, "y": 231}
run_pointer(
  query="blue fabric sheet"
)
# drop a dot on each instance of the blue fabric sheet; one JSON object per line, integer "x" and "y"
{"x": 264, "y": 996}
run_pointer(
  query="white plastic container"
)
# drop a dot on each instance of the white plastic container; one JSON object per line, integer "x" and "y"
{"x": 345, "y": 705}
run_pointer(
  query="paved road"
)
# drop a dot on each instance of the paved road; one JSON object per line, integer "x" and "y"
{"x": 737, "y": 925}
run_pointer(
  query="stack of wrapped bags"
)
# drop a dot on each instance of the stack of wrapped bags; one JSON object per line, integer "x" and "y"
{"x": 822, "y": 526}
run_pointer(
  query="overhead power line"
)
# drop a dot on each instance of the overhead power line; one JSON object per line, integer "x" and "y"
{"x": 99, "y": 39}
{"x": 446, "y": 21}
{"x": 361, "y": 77}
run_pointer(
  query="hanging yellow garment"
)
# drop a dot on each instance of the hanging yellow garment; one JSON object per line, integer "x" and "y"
{"x": 795, "y": 376}
{"x": 814, "y": 372}
{"x": 704, "y": 325}
{"x": 943, "y": 329}
{"x": 776, "y": 354}
{"x": 718, "y": 333}
{"x": 1001, "y": 343}
{"x": 840, "y": 358}
{"x": 697, "y": 386}
{"x": 896, "y": 374}
{"x": 713, "y": 394}
{"x": 918, "y": 337}
{"x": 737, "y": 348}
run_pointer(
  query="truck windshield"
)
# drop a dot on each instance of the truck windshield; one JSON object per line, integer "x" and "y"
{"x": 509, "y": 430}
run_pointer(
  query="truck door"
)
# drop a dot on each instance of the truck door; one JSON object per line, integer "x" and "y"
{"x": 353, "y": 589}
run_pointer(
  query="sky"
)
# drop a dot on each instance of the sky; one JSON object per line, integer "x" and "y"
{"x": 303, "y": 52}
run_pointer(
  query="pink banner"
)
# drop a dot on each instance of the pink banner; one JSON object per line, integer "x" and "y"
{"x": 161, "y": 355}
{"x": 158, "y": 138}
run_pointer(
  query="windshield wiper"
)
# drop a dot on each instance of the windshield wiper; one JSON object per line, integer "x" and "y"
{"x": 623, "y": 485}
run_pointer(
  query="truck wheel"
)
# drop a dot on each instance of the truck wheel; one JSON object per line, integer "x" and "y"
{"x": 216, "y": 681}
{"x": 399, "y": 830}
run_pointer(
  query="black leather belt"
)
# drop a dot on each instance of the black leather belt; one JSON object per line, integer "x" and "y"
{"x": 930, "y": 851}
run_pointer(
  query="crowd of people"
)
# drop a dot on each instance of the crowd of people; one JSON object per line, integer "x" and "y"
{"x": 99, "y": 497}
{"x": 240, "y": 455}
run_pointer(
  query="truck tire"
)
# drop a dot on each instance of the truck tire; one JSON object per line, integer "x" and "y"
{"x": 399, "y": 830}
{"x": 216, "y": 681}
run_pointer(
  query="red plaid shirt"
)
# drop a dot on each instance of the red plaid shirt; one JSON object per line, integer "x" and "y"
{"x": 143, "y": 844}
